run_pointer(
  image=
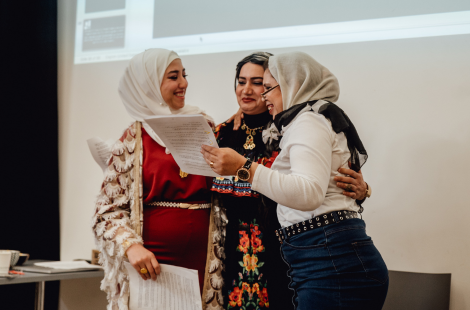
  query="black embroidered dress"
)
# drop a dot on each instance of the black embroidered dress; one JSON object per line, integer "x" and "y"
{"x": 255, "y": 275}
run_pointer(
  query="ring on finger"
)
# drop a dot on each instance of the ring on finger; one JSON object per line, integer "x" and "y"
{"x": 144, "y": 271}
{"x": 349, "y": 187}
{"x": 212, "y": 165}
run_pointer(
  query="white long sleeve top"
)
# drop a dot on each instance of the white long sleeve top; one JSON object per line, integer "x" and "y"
{"x": 301, "y": 178}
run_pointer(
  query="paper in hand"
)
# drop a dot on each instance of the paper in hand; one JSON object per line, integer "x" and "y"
{"x": 176, "y": 288}
{"x": 100, "y": 150}
{"x": 184, "y": 135}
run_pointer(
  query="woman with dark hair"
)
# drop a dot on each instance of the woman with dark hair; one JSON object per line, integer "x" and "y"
{"x": 253, "y": 266}
{"x": 255, "y": 275}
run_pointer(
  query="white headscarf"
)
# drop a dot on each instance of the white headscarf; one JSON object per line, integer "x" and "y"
{"x": 139, "y": 88}
{"x": 302, "y": 79}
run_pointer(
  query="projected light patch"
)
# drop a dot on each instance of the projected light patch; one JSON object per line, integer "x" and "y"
{"x": 110, "y": 30}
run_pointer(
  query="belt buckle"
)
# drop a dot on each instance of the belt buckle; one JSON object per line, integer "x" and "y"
{"x": 185, "y": 205}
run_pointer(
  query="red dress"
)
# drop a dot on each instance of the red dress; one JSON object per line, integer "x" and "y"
{"x": 176, "y": 236}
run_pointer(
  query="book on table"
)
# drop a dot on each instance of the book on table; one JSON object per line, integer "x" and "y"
{"x": 58, "y": 267}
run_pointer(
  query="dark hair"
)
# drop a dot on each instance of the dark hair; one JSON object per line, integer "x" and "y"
{"x": 265, "y": 204}
{"x": 266, "y": 64}
{"x": 257, "y": 58}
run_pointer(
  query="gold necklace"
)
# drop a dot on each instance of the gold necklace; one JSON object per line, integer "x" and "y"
{"x": 249, "y": 145}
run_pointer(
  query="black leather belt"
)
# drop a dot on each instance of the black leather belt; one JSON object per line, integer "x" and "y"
{"x": 315, "y": 222}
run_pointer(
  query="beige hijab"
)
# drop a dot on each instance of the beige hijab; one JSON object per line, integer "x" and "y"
{"x": 302, "y": 79}
{"x": 139, "y": 88}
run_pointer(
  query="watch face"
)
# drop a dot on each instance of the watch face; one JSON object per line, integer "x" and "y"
{"x": 243, "y": 174}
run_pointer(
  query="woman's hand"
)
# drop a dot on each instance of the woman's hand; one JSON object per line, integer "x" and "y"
{"x": 354, "y": 185}
{"x": 237, "y": 118}
{"x": 225, "y": 161}
{"x": 140, "y": 257}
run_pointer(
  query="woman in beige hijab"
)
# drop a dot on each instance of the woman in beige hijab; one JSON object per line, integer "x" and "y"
{"x": 332, "y": 263}
{"x": 148, "y": 211}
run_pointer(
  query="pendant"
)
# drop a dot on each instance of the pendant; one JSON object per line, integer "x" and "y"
{"x": 183, "y": 174}
{"x": 249, "y": 145}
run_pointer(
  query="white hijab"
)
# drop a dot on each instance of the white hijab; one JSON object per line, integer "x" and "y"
{"x": 301, "y": 79}
{"x": 139, "y": 88}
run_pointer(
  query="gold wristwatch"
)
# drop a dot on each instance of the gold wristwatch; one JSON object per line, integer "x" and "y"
{"x": 244, "y": 172}
{"x": 368, "y": 191}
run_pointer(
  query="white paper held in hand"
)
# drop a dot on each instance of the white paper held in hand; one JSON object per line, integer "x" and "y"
{"x": 176, "y": 288}
{"x": 184, "y": 135}
{"x": 100, "y": 150}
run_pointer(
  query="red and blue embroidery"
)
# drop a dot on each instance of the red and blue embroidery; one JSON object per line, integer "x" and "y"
{"x": 234, "y": 186}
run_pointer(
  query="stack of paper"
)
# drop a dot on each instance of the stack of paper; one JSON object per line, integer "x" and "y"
{"x": 68, "y": 265}
{"x": 176, "y": 288}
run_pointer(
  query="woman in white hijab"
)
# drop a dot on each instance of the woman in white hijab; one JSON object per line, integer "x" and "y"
{"x": 332, "y": 263}
{"x": 149, "y": 211}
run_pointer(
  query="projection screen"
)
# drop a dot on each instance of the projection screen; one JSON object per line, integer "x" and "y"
{"x": 116, "y": 30}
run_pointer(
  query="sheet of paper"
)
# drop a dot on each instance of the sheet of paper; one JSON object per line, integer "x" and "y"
{"x": 68, "y": 265}
{"x": 100, "y": 150}
{"x": 176, "y": 288}
{"x": 183, "y": 135}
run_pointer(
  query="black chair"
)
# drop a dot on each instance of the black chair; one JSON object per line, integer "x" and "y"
{"x": 418, "y": 291}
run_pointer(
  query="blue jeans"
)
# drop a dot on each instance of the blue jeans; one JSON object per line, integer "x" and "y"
{"x": 336, "y": 267}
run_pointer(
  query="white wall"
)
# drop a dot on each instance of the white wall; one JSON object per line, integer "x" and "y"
{"x": 409, "y": 99}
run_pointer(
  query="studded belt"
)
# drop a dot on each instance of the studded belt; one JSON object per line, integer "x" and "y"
{"x": 179, "y": 205}
{"x": 315, "y": 222}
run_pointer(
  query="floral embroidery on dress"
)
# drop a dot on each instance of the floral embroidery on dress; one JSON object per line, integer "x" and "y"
{"x": 217, "y": 130}
{"x": 250, "y": 289}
